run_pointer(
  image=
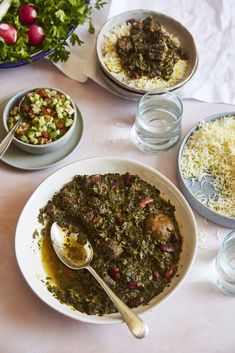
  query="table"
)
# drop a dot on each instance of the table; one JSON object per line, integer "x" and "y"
{"x": 197, "y": 318}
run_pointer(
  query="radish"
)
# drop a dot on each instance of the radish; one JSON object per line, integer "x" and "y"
{"x": 36, "y": 35}
{"x": 27, "y": 14}
{"x": 8, "y": 33}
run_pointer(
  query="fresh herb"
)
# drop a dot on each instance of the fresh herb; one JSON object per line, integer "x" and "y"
{"x": 58, "y": 20}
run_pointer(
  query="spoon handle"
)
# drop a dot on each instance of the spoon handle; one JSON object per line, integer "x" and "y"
{"x": 8, "y": 138}
{"x": 137, "y": 327}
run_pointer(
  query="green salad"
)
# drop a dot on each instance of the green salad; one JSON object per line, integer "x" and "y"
{"x": 53, "y": 21}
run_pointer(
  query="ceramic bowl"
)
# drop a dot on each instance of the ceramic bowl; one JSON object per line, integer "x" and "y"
{"x": 172, "y": 26}
{"x": 194, "y": 190}
{"x": 37, "y": 149}
{"x": 28, "y": 253}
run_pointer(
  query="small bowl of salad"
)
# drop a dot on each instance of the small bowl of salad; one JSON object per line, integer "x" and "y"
{"x": 48, "y": 119}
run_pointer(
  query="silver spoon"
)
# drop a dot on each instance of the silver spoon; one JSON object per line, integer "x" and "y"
{"x": 9, "y": 137}
{"x": 58, "y": 236}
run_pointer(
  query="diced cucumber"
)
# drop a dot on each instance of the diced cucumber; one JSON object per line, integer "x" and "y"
{"x": 68, "y": 122}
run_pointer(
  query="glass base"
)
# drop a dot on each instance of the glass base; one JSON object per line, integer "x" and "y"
{"x": 154, "y": 148}
{"x": 219, "y": 278}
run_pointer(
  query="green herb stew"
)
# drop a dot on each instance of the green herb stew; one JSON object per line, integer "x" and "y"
{"x": 134, "y": 235}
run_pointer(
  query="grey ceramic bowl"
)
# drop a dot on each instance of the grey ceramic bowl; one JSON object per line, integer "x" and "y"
{"x": 172, "y": 26}
{"x": 37, "y": 149}
{"x": 190, "y": 189}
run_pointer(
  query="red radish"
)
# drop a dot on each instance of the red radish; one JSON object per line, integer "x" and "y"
{"x": 8, "y": 33}
{"x": 27, "y": 14}
{"x": 36, "y": 35}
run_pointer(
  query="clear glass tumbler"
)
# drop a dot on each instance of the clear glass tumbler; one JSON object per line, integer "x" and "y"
{"x": 157, "y": 127}
{"x": 224, "y": 265}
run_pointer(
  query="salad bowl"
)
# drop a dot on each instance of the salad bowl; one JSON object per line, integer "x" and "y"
{"x": 54, "y": 24}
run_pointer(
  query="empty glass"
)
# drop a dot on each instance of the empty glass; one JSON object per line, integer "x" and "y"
{"x": 157, "y": 126}
{"x": 224, "y": 265}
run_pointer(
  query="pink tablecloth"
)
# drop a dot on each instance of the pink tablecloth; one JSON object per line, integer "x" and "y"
{"x": 197, "y": 318}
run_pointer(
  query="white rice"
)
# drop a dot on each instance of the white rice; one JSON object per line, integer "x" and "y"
{"x": 113, "y": 63}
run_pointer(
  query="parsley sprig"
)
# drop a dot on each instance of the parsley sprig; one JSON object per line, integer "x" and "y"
{"x": 58, "y": 18}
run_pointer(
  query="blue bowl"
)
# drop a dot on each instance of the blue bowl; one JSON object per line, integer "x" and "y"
{"x": 191, "y": 189}
{"x": 35, "y": 57}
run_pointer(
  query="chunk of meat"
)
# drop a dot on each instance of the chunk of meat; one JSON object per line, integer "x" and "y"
{"x": 124, "y": 44}
{"x": 113, "y": 249}
{"x": 161, "y": 227}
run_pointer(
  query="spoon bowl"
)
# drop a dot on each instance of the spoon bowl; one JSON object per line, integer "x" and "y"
{"x": 58, "y": 237}
{"x": 79, "y": 256}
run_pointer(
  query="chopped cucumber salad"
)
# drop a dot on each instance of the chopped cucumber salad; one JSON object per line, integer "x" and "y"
{"x": 47, "y": 116}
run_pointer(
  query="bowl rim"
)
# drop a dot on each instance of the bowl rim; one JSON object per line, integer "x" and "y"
{"x": 131, "y": 13}
{"x": 202, "y": 209}
{"x": 18, "y": 96}
{"x": 110, "y": 318}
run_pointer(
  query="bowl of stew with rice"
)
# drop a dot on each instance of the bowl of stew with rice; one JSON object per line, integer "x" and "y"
{"x": 142, "y": 50}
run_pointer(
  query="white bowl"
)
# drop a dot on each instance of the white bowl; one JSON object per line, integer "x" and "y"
{"x": 29, "y": 256}
{"x": 37, "y": 149}
{"x": 171, "y": 25}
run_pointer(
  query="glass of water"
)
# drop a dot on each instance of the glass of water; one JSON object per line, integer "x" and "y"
{"x": 224, "y": 265}
{"x": 157, "y": 126}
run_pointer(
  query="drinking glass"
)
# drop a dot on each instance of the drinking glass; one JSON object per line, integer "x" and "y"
{"x": 157, "y": 126}
{"x": 224, "y": 265}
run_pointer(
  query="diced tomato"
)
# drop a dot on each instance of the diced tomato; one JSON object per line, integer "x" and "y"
{"x": 60, "y": 124}
{"x": 42, "y": 93}
{"x": 46, "y": 134}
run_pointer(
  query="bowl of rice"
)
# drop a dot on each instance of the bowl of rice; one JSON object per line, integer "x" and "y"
{"x": 142, "y": 50}
{"x": 206, "y": 168}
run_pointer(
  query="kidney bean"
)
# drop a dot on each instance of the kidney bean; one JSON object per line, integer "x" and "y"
{"x": 169, "y": 273}
{"x": 134, "y": 302}
{"x": 156, "y": 273}
{"x": 134, "y": 286}
{"x": 114, "y": 273}
{"x": 145, "y": 201}
{"x": 168, "y": 248}
{"x": 114, "y": 186}
{"x": 94, "y": 177}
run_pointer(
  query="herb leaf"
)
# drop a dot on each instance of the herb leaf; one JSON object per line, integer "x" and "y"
{"x": 58, "y": 19}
